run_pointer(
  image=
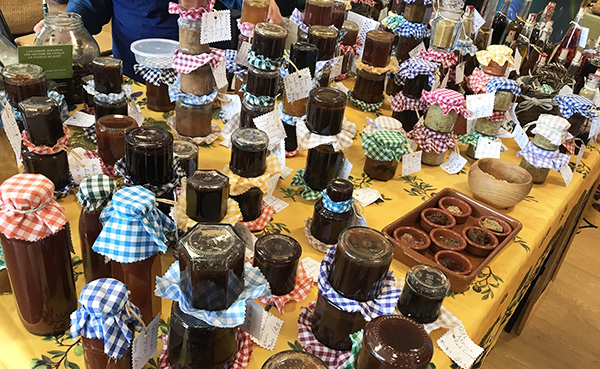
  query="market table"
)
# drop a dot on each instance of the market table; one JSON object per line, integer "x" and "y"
{"x": 484, "y": 308}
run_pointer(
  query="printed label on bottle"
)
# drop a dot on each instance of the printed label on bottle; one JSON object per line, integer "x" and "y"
{"x": 510, "y": 37}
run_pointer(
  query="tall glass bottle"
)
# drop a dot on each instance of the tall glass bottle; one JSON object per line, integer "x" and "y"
{"x": 545, "y": 35}
{"x": 484, "y": 34}
{"x": 514, "y": 28}
{"x": 521, "y": 44}
{"x": 571, "y": 39}
{"x": 541, "y": 22}
{"x": 500, "y": 23}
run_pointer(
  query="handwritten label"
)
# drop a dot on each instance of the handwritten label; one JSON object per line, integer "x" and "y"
{"x": 480, "y": 105}
{"x": 520, "y": 136}
{"x": 81, "y": 119}
{"x": 460, "y": 72}
{"x": 366, "y": 196}
{"x": 311, "y": 267}
{"x": 216, "y": 26}
{"x": 83, "y": 167}
{"x": 487, "y": 148}
{"x": 145, "y": 344}
{"x": 279, "y": 152}
{"x": 411, "y": 163}
{"x": 580, "y": 154}
{"x": 272, "y": 126}
{"x": 231, "y": 107}
{"x": 478, "y": 21}
{"x": 262, "y": 327}
{"x": 285, "y": 172}
{"x": 415, "y": 51}
{"x": 459, "y": 347}
{"x": 12, "y": 133}
{"x": 248, "y": 237}
{"x": 336, "y": 68}
{"x": 133, "y": 110}
{"x": 219, "y": 74}
{"x": 566, "y": 173}
{"x": 276, "y": 203}
{"x": 340, "y": 86}
{"x": 454, "y": 164}
{"x": 241, "y": 58}
{"x": 345, "y": 169}
{"x": 297, "y": 85}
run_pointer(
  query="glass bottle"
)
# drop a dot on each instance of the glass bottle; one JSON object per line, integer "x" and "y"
{"x": 277, "y": 256}
{"x": 326, "y": 225}
{"x": 377, "y": 49}
{"x": 483, "y": 36}
{"x": 268, "y": 40}
{"x": 545, "y": 35}
{"x": 250, "y": 203}
{"x": 318, "y": 12}
{"x": 22, "y": 81}
{"x": 417, "y": 12}
{"x": 325, "y": 39}
{"x": 249, "y": 152}
{"x": 291, "y": 359}
{"x": 500, "y": 23}
{"x": 41, "y": 119}
{"x": 332, "y": 326}
{"x": 55, "y": 167}
{"x": 206, "y": 195}
{"x": 590, "y": 88}
{"x": 575, "y": 65}
{"x": 521, "y": 43}
{"x": 104, "y": 107}
{"x": 149, "y": 155}
{"x": 446, "y": 25}
{"x": 211, "y": 261}
{"x": 325, "y": 111}
{"x": 303, "y": 55}
{"x": 255, "y": 11}
{"x": 516, "y": 25}
{"x": 187, "y": 152}
{"x": 423, "y": 292}
{"x": 108, "y": 74}
{"x": 338, "y": 14}
{"x": 468, "y": 26}
{"x": 193, "y": 120}
{"x": 322, "y": 165}
{"x": 110, "y": 134}
{"x": 532, "y": 60}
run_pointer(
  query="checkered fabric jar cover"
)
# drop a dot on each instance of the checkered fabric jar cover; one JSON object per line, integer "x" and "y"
{"x": 541, "y": 158}
{"x": 498, "y": 53}
{"x": 447, "y": 100}
{"x": 574, "y": 104}
{"x": 429, "y": 140}
{"x": 385, "y": 145}
{"x": 192, "y": 13}
{"x": 503, "y": 84}
{"x": 156, "y": 76}
{"x": 552, "y": 127}
{"x": 417, "y": 66}
{"x": 336, "y": 207}
{"x": 96, "y": 192}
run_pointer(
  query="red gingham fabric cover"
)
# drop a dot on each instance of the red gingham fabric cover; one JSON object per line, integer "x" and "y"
{"x": 446, "y": 59}
{"x": 261, "y": 222}
{"x": 447, "y": 100}
{"x": 497, "y": 116}
{"x": 190, "y": 14}
{"x": 477, "y": 81}
{"x": 402, "y": 103}
{"x": 184, "y": 63}
{"x": 107, "y": 170}
{"x": 303, "y": 285}
{"x": 429, "y": 140}
{"x": 61, "y": 143}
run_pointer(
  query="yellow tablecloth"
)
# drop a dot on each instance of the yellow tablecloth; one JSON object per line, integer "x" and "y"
{"x": 484, "y": 308}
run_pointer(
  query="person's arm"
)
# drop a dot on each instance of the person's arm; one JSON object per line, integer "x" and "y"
{"x": 95, "y": 13}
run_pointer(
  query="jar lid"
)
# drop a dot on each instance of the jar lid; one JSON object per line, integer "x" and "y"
{"x": 367, "y": 245}
{"x": 323, "y": 31}
{"x": 294, "y": 359}
{"x": 303, "y": 55}
{"x": 380, "y": 36}
{"x": 339, "y": 189}
{"x": 107, "y": 61}
{"x": 154, "y": 52}
{"x": 428, "y": 281}
{"x": 116, "y": 122}
{"x": 208, "y": 179}
{"x": 270, "y": 30}
{"x": 212, "y": 246}
{"x": 149, "y": 137}
{"x": 185, "y": 149}
{"x": 327, "y": 96}
{"x": 553, "y": 122}
{"x": 38, "y": 105}
{"x": 251, "y": 139}
{"x": 22, "y": 74}
{"x": 350, "y": 26}
{"x": 398, "y": 341}
{"x": 278, "y": 248}
{"x": 321, "y": 3}
{"x": 64, "y": 20}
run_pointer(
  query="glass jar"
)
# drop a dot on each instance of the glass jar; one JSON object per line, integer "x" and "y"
{"x": 369, "y": 86}
{"x": 424, "y": 290}
{"x": 362, "y": 9}
{"x": 438, "y": 121}
{"x": 149, "y": 155}
{"x": 413, "y": 88}
{"x": 543, "y": 143}
{"x": 378, "y": 47}
{"x": 291, "y": 140}
{"x": 41, "y": 119}
{"x": 277, "y": 256}
{"x": 198, "y": 82}
{"x": 296, "y": 108}
{"x": 157, "y": 97}
{"x": 250, "y": 203}
{"x": 417, "y": 12}
{"x": 322, "y": 165}
{"x": 187, "y": 152}
{"x": 206, "y": 196}
{"x": 326, "y": 225}
{"x": 318, "y": 12}
{"x": 392, "y": 88}
{"x": 193, "y": 120}
{"x": 397, "y": 6}
{"x": 65, "y": 28}
{"x": 187, "y": 334}
{"x": 250, "y": 111}
{"x": 94, "y": 264}
{"x": 503, "y": 100}
{"x": 325, "y": 111}
{"x": 487, "y": 127}
{"x": 108, "y": 74}
{"x": 249, "y": 152}
{"x": 103, "y": 107}
{"x": 383, "y": 347}
{"x": 55, "y": 167}
{"x": 303, "y": 55}
{"x": 405, "y": 46}
{"x": 211, "y": 260}
{"x": 362, "y": 260}
{"x": 432, "y": 158}
{"x": 110, "y": 134}
{"x": 88, "y": 99}
{"x": 577, "y": 123}
{"x": 591, "y": 86}
{"x": 338, "y": 14}
{"x": 349, "y": 39}
{"x": 333, "y": 326}
{"x": 445, "y": 27}
{"x": 189, "y": 37}
{"x": 538, "y": 175}
{"x": 262, "y": 83}
{"x": 379, "y": 169}
{"x": 255, "y": 11}
{"x": 409, "y": 118}
{"x": 95, "y": 358}
{"x": 22, "y": 81}
{"x": 268, "y": 40}
{"x": 294, "y": 359}
{"x": 325, "y": 39}
{"x": 494, "y": 68}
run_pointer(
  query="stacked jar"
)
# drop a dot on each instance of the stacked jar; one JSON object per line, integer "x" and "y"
{"x": 316, "y": 13}
{"x": 578, "y": 110}
{"x": 333, "y": 212}
{"x": 494, "y": 61}
{"x": 253, "y": 13}
{"x": 348, "y": 47}
{"x": 447, "y": 61}
{"x": 22, "y": 81}
{"x": 109, "y": 97}
{"x": 446, "y": 25}
{"x": 325, "y": 39}
{"x": 265, "y": 60}
{"x": 383, "y": 152}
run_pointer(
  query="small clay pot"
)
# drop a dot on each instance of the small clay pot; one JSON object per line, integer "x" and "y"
{"x": 506, "y": 228}
{"x": 447, "y": 201}
{"x": 416, "y": 233}
{"x": 437, "y": 246}
{"x": 428, "y": 225}
{"x": 460, "y": 259}
{"x": 477, "y": 249}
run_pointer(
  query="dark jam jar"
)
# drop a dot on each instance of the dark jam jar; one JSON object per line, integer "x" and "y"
{"x": 326, "y": 225}
{"x": 393, "y": 341}
{"x": 325, "y": 111}
{"x": 318, "y": 12}
{"x": 423, "y": 292}
{"x": 417, "y": 12}
{"x": 55, "y": 167}
{"x": 333, "y": 326}
{"x": 157, "y": 97}
{"x": 206, "y": 195}
{"x": 87, "y": 98}
{"x": 349, "y": 39}
{"x": 187, "y": 152}
{"x": 22, "y": 81}
{"x": 405, "y": 46}
{"x": 380, "y": 170}
{"x": 413, "y": 88}
{"x": 94, "y": 264}
{"x": 211, "y": 260}
{"x": 110, "y": 133}
{"x": 268, "y": 40}
{"x": 108, "y": 74}
{"x": 409, "y": 118}
{"x": 294, "y": 360}
{"x": 338, "y": 14}
{"x": 103, "y": 107}
{"x": 249, "y": 152}
{"x": 198, "y": 82}
{"x": 369, "y": 86}
{"x": 325, "y": 39}
{"x": 303, "y": 55}
{"x": 250, "y": 111}
{"x": 362, "y": 259}
{"x": 262, "y": 83}
{"x": 193, "y": 120}
{"x": 41, "y": 119}
{"x": 250, "y": 203}
{"x": 322, "y": 165}
{"x": 95, "y": 358}
{"x": 187, "y": 334}
{"x": 277, "y": 257}
{"x": 149, "y": 155}
{"x": 378, "y": 48}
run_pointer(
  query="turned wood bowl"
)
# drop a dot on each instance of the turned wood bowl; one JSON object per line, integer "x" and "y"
{"x": 499, "y": 183}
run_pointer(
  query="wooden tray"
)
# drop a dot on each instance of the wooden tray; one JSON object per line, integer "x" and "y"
{"x": 410, "y": 257}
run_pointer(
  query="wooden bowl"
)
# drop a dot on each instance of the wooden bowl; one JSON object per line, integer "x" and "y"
{"x": 498, "y": 182}
{"x": 437, "y": 246}
{"x": 416, "y": 233}
{"x": 454, "y": 201}
{"x": 477, "y": 249}
{"x": 457, "y": 257}
{"x": 428, "y": 225}
{"x": 506, "y": 228}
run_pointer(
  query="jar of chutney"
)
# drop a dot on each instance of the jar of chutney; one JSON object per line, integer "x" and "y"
{"x": 332, "y": 325}
{"x": 318, "y": 12}
{"x": 268, "y": 40}
{"x": 378, "y": 48}
{"x": 277, "y": 256}
{"x": 325, "y": 39}
{"x": 294, "y": 359}
{"x": 193, "y": 120}
{"x": 250, "y": 203}
{"x": 108, "y": 74}
{"x": 369, "y": 86}
{"x": 187, "y": 152}
{"x": 55, "y": 166}
{"x": 250, "y": 111}
{"x": 255, "y": 11}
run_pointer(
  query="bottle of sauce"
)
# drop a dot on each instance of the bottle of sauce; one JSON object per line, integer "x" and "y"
{"x": 277, "y": 256}
{"x": 332, "y": 214}
{"x": 110, "y": 134}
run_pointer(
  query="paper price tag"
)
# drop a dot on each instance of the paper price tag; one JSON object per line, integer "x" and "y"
{"x": 583, "y": 36}
{"x": 336, "y": 68}
{"x": 580, "y": 154}
{"x": 133, "y": 110}
{"x": 311, "y": 267}
{"x": 285, "y": 172}
{"x": 520, "y": 136}
{"x": 480, "y": 105}
{"x": 478, "y": 21}
{"x": 12, "y": 133}
{"x": 487, "y": 148}
{"x": 366, "y": 196}
{"x": 411, "y": 163}
{"x": 344, "y": 171}
{"x": 219, "y": 74}
{"x": 263, "y": 327}
{"x": 518, "y": 60}
{"x": 81, "y": 119}
{"x": 279, "y": 153}
{"x": 566, "y": 173}
{"x": 241, "y": 58}
{"x": 231, "y": 107}
{"x": 91, "y": 166}
{"x": 340, "y": 86}
{"x": 459, "y": 347}
{"x": 415, "y": 51}
{"x": 216, "y": 26}
{"x": 470, "y": 125}
{"x": 276, "y": 203}
{"x": 594, "y": 128}
{"x": 445, "y": 80}
{"x": 272, "y": 126}
{"x": 454, "y": 164}
{"x": 460, "y": 72}
{"x": 297, "y": 85}
{"x": 248, "y": 238}
{"x": 145, "y": 344}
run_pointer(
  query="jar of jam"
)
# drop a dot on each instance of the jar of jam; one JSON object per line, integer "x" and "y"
{"x": 417, "y": 12}
{"x": 211, "y": 260}
{"x": 108, "y": 74}
{"x": 249, "y": 152}
{"x": 250, "y": 111}
{"x": 38, "y": 262}
{"x": 268, "y": 40}
{"x": 423, "y": 292}
{"x": 110, "y": 133}
{"x": 95, "y": 358}
{"x": 405, "y": 46}
{"x": 291, "y": 140}
{"x": 187, "y": 334}
{"x": 362, "y": 9}
{"x": 325, "y": 111}
{"x": 187, "y": 152}
{"x": 349, "y": 39}
{"x": 362, "y": 259}
{"x": 318, "y": 12}
{"x": 22, "y": 81}
{"x": 41, "y": 119}
{"x": 303, "y": 55}
{"x": 149, "y": 155}
{"x": 198, "y": 82}
{"x": 262, "y": 83}
{"x": 338, "y": 14}
{"x": 55, "y": 167}
{"x": 87, "y": 98}
{"x": 206, "y": 195}
{"x": 382, "y": 170}
{"x": 333, "y": 326}
{"x": 193, "y": 120}
{"x": 189, "y": 37}
{"x": 393, "y": 341}
{"x": 294, "y": 359}
{"x": 369, "y": 86}
{"x": 157, "y": 97}
{"x": 413, "y": 88}
{"x": 277, "y": 256}
{"x": 250, "y": 203}
{"x": 103, "y": 107}
{"x": 238, "y": 81}
{"x": 538, "y": 175}
{"x": 322, "y": 165}
{"x": 325, "y": 39}
{"x": 255, "y": 11}
{"x": 327, "y": 225}
{"x": 445, "y": 26}
{"x": 378, "y": 48}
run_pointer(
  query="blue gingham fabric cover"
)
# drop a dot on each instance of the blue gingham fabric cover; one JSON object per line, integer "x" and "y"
{"x": 574, "y": 104}
{"x": 412, "y": 30}
{"x": 290, "y": 120}
{"x": 175, "y": 94}
{"x": 541, "y": 158}
{"x": 230, "y": 65}
{"x": 413, "y": 67}
{"x": 335, "y": 207}
{"x": 501, "y": 83}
